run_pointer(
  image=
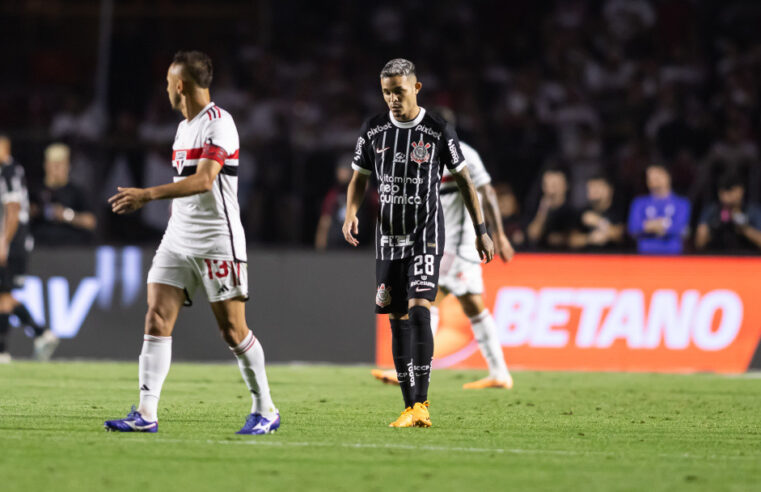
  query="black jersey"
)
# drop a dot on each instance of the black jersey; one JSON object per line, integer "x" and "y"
{"x": 407, "y": 159}
{"x": 13, "y": 190}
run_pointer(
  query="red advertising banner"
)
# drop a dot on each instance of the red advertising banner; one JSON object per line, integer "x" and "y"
{"x": 609, "y": 313}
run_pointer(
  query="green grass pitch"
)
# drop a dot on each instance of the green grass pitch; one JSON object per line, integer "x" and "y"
{"x": 553, "y": 431}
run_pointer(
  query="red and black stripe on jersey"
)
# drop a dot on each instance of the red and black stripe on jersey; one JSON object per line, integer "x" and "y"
{"x": 407, "y": 160}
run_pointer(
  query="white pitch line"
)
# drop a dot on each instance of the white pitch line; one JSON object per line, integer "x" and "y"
{"x": 263, "y": 441}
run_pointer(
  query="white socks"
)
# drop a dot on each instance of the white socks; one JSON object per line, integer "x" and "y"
{"x": 155, "y": 359}
{"x": 250, "y": 357}
{"x": 434, "y": 319}
{"x": 486, "y": 335}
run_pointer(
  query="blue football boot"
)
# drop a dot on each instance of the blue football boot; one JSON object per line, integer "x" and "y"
{"x": 257, "y": 425}
{"x": 133, "y": 423}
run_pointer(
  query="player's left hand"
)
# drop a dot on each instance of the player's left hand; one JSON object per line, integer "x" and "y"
{"x": 503, "y": 247}
{"x": 485, "y": 247}
{"x": 128, "y": 200}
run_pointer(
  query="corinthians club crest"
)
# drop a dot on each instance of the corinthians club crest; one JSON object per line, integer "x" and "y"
{"x": 419, "y": 152}
{"x": 383, "y": 296}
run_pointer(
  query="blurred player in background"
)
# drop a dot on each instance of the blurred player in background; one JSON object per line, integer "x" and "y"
{"x": 461, "y": 267}
{"x": 15, "y": 244}
{"x": 333, "y": 212}
{"x": 407, "y": 150}
{"x": 203, "y": 246}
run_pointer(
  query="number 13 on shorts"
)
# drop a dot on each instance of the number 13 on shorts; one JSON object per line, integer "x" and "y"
{"x": 220, "y": 269}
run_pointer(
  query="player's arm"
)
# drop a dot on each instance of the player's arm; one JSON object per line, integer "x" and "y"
{"x": 354, "y": 196}
{"x": 502, "y": 245}
{"x": 131, "y": 199}
{"x": 469, "y": 194}
{"x": 10, "y": 226}
{"x": 362, "y": 163}
{"x": 10, "y": 189}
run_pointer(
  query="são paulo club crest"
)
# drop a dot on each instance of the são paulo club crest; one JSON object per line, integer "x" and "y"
{"x": 383, "y": 297}
{"x": 419, "y": 152}
{"x": 179, "y": 160}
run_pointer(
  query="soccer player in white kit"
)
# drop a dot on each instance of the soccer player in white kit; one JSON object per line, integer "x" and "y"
{"x": 461, "y": 267}
{"x": 203, "y": 246}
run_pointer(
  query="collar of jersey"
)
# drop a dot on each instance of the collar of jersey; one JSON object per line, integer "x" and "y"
{"x": 202, "y": 112}
{"x": 408, "y": 124}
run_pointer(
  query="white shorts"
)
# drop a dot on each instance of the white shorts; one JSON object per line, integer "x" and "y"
{"x": 221, "y": 279}
{"x": 460, "y": 276}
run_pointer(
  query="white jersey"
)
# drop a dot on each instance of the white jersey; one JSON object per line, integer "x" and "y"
{"x": 460, "y": 233}
{"x": 207, "y": 225}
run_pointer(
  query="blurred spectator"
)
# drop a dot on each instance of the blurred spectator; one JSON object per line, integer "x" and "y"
{"x": 736, "y": 153}
{"x": 605, "y": 86}
{"x": 554, "y": 217}
{"x": 730, "y": 225}
{"x": 600, "y": 224}
{"x": 60, "y": 210}
{"x": 510, "y": 211}
{"x": 659, "y": 221}
{"x": 329, "y": 235}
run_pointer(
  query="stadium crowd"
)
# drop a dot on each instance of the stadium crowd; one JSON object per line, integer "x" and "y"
{"x": 617, "y": 125}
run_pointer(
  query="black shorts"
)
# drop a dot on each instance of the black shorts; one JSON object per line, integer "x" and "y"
{"x": 12, "y": 274}
{"x": 398, "y": 281}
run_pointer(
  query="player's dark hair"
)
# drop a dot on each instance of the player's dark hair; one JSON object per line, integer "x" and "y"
{"x": 601, "y": 177}
{"x": 557, "y": 169}
{"x": 197, "y": 65}
{"x": 397, "y": 67}
{"x": 659, "y": 165}
{"x": 729, "y": 181}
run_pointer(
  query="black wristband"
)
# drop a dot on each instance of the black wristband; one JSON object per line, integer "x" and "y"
{"x": 481, "y": 229}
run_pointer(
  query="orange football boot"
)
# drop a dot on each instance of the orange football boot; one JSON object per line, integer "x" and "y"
{"x": 490, "y": 383}
{"x": 406, "y": 419}
{"x": 388, "y": 377}
{"x": 421, "y": 415}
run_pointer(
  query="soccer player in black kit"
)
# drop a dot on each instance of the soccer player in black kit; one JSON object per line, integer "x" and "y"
{"x": 406, "y": 150}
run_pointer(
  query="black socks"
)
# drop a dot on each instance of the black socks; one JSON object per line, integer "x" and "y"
{"x": 422, "y": 351}
{"x": 22, "y": 313}
{"x": 401, "y": 348}
{"x": 4, "y": 328}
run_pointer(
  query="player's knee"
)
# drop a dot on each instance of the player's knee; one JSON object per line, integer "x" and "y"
{"x": 471, "y": 305}
{"x": 233, "y": 332}
{"x": 156, "y": 323}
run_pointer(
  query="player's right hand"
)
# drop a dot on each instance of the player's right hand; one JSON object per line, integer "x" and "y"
{"x": 485, "y": 247}
{"x": 351, "y": 229}
{"x": 128, "y": 200}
